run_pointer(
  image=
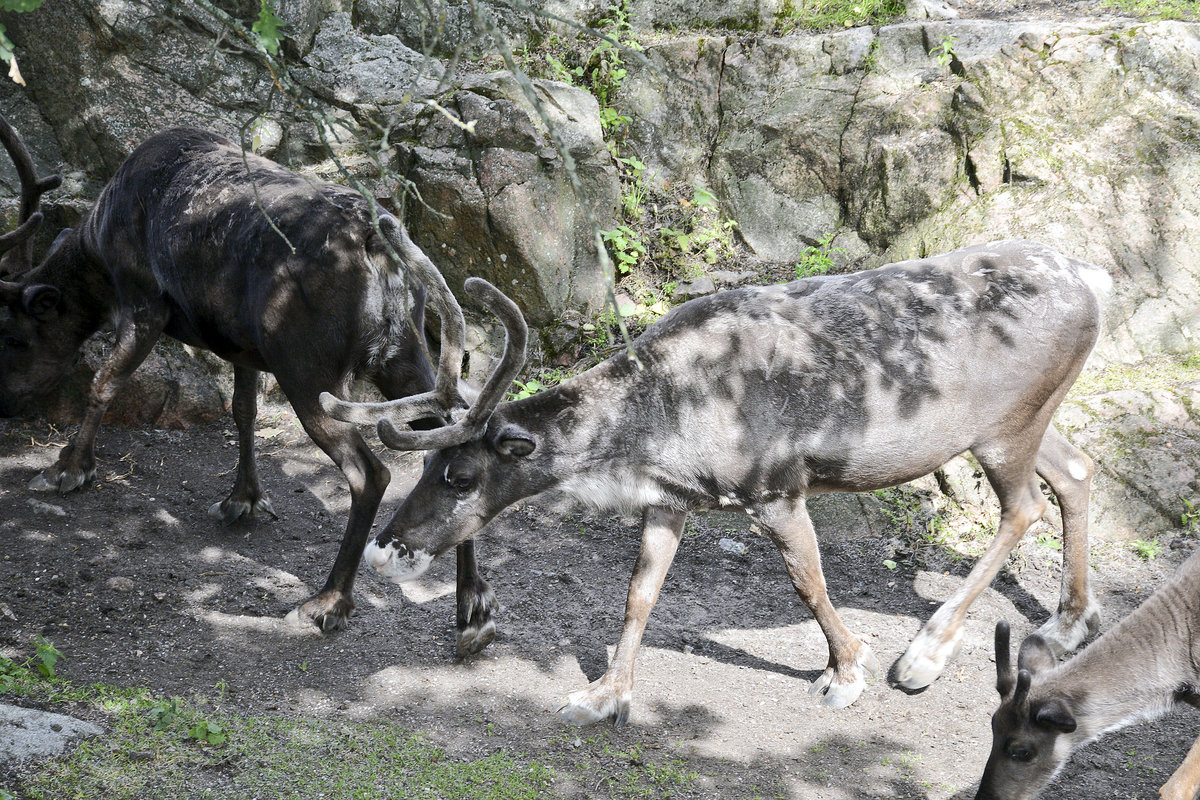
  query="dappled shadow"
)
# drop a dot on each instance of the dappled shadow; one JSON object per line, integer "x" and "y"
{"x": 722, "y": 677}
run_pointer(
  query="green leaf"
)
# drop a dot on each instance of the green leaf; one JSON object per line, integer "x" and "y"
{"x": 266, "y": 28}
{"x": 887, "y": 562}
{"x": 20, "y": 5}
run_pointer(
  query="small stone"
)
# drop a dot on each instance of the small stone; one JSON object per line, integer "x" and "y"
{"x": 733, "y": 546}
{"x": 120, "y": 584}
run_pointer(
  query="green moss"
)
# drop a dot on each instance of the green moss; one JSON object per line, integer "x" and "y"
{"x": 819, "y": 15}
{"x": 1160, "y": 372}
{"x": 1158, "y": 9}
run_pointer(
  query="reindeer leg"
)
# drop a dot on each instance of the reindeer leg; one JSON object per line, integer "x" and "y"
{"x": 1184, "y": 784}
{"x": 77, "y": 461}
{"x": 610, "y": 695}
{"x": 1011, "y": 474}
{"x": 368, "y": 478}
{"x": 1068, "y": 470}
{"x": 476, "y": 603}
{"x": 850, "y": 661}
{"x": 247, "y": 497}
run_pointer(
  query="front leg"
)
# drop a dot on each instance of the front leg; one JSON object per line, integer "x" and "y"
{"x": 476, "y": 604}
{"x": 247, "y": 497}
{"x": 368, "y": 478}
{"x": 850, "y": 661}
{"x": 76, "y": 463}
{"x": 609, "y": 697}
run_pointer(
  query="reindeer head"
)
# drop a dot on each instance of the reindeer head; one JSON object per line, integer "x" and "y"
{"x": 469, "y": 475}
{"x": 1031, "y": 733}
{"x": 32, "y": 359}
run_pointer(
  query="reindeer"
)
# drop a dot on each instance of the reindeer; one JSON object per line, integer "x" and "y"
{"x": 230, "y": 252}
{"x": 758, "y": 398}
{"x": 1139, "y": 670}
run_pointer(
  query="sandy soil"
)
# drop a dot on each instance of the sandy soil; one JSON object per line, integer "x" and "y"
{"x": 723, "y": 671}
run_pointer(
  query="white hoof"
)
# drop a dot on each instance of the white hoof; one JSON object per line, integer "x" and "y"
{"x": 839, "y": 692}
{"x": 1065, "y": 632}
{"x": 925, "y": 658}
{"x": 595, "y": 704}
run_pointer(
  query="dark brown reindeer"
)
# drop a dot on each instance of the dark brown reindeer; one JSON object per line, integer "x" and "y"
{"x": 238, "y": 255}
{"x": 1141, "y": 669}
{"x": 758, "y": 398}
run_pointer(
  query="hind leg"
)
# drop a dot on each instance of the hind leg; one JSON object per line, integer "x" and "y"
{"x": 247, "y": 497}
{"x": 1068, "y": 471}
{"x": 1009, "y": 466}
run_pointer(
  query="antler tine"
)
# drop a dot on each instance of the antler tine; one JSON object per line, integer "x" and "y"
{"x": 1021, "y": 693}
{"x": 511, "y": 361}
{"x": 32, "y": 189}
{"x": 1005, "y": 680}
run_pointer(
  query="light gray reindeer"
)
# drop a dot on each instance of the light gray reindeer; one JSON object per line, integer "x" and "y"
{"x": 1139, "y": 670}
{"x": 758, "y": 398}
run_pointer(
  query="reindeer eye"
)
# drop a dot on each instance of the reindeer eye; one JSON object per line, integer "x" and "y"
{"x": 1021, "y": 754}
{"x": 460, "y": 481}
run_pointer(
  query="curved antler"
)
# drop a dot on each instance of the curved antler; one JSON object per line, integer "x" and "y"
{"x": 511, "y": 360}
{"x": 1005, "y": 679}
{"x": 444, "y": 396}
{"x": 32, "y": 188}
{"x": 392, "y": 414}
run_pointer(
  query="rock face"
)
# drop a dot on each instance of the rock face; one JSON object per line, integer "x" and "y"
{"x": 497, "y": 199}
{"x": 27, "y": 733}
{"x": 1080, "y": 136}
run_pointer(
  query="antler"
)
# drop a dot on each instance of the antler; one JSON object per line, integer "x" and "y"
{"x": 1005, "y": 679}
{"x": 32, "y": 189}
{"x": 511, "y": 361}
{"x": 391, "y": 415}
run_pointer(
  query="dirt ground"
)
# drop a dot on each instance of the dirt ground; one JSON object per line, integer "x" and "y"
{"x": 722, "y": 674}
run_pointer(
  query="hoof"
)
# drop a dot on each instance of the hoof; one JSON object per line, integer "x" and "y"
{"x": 839, "y": 689}
{"x": 1065, "y": 631}
{"x": 230, "y": 510}
{"x": 596, "y": 703}
{"x": 925, "y": 659}
{"x": 61, "y": 481}
{"x": 328, "y": 612}
{"x": 474, "y": 638}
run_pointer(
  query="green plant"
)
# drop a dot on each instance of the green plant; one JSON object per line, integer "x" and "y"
{"x": 208, "y": 732}
{"x": 6, "y": 46}
{"x": 943, "y": 53}
{"x": 627, "y": 247}
{"x": 266, "y": 27}
{"x": 47, "y": 656}
{"x": 164, "y": 713}
{"x": 527, "y": 389}
{"x": 1146, "y": 550}
{"x": 1049, "y": 540}
{"x": 819, "y": 15}
{"x": 1190, "y": 518}
{"x": 817, "y": 259}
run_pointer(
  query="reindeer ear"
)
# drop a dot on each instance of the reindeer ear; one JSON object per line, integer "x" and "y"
{"x": 39, "y": 300}
{"x": 1035, "y": 655}
{"x": 1054, "y": 714}
{"x": 513, "y": 440}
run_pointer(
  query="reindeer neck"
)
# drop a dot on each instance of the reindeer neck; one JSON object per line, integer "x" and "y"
{"x": 1142, "y": 667}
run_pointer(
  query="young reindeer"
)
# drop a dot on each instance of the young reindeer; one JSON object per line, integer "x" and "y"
{"x": 238, "y": 255}
{"x": 1139, "y": 670}
{"x": 759, "y": 398}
